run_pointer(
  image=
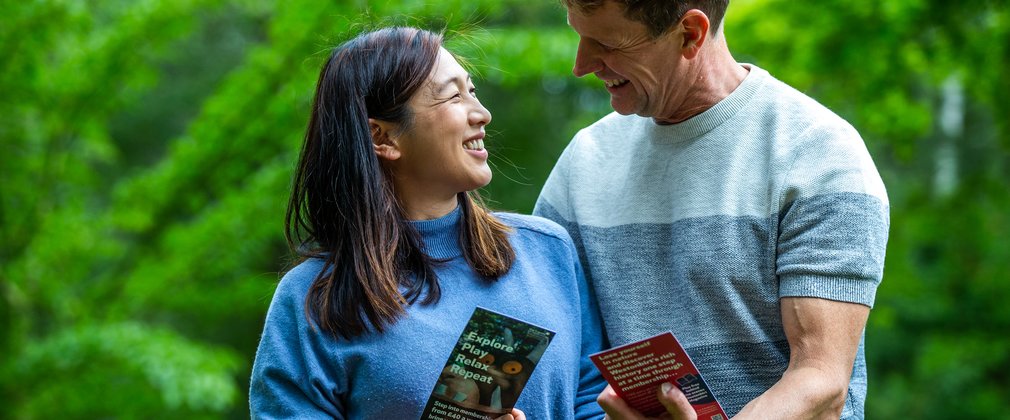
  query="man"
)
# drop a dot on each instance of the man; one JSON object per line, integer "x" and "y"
{"x": 724, "y": 206}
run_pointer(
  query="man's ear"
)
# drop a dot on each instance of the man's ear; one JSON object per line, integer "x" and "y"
{"x": 383, "y": 140}
{"x": 695, "y": 26}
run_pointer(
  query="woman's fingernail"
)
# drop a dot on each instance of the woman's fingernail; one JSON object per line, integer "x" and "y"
{"x": 666, "y": 387}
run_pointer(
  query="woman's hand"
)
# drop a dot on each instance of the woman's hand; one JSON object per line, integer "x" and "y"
{"x": 516, "y": 414}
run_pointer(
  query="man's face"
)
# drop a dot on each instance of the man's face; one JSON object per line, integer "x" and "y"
{"x": 644, "y": 76}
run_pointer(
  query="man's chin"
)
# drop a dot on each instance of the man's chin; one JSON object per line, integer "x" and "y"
{"x": 624, "y": 108}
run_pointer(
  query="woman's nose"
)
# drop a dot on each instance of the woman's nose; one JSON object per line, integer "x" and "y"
{"x": 479, "y": 115}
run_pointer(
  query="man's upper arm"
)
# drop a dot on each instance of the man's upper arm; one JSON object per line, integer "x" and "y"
{"x": 824, "y": 333}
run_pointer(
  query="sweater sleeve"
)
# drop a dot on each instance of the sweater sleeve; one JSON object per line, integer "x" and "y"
{"x": 833, "y": 220}
{"x": 591, "y": 382}
{"x": 292, "y": 376}
{"x": 554, "y": 201}
{"x": 554, "y": 204}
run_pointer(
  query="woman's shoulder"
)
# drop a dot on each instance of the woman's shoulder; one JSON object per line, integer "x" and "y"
{"x": 534, "y": 226}
{"x": 295, "y": 283}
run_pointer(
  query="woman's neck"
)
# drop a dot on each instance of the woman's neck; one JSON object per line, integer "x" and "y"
{"x": 427, "y": 208}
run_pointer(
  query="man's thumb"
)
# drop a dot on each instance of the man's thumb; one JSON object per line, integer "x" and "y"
{"x": 676, "y": 402}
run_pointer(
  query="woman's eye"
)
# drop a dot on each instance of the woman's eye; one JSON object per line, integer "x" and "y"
{"x": 473, "y": 92}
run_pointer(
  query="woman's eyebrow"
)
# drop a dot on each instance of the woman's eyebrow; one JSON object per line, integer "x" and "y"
{"x": 451, "y": 81}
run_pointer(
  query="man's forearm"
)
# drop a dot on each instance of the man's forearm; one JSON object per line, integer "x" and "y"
{"x": 823, "y": 338}
{"x": 805, "y": 392}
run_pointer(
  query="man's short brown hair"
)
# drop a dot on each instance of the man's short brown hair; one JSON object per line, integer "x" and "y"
{"x": 659, "y": 15}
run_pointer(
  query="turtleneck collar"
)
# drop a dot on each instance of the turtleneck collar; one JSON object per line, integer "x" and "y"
{"x": 441, "y": 235}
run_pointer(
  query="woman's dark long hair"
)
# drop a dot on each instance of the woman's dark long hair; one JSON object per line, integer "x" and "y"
{"x": 342, "y": 207}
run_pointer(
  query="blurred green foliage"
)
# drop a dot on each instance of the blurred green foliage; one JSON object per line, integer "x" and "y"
{"x": 146, "y": 149}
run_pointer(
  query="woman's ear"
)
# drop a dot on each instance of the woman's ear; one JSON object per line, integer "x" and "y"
{"x": 383, "y": 140}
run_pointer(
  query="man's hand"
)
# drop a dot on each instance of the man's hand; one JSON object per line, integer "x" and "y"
{"x": 675, "y": 402}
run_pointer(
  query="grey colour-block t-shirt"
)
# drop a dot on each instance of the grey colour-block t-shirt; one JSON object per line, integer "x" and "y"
{"x": 701, "y": 227}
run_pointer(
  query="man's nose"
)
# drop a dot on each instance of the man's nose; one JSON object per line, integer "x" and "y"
{"x": 586, "y": 60}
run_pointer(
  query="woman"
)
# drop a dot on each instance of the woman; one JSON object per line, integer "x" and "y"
{"x": 397, "y": 250}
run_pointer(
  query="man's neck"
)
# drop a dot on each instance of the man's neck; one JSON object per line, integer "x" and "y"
{"x": 715, "y": 75}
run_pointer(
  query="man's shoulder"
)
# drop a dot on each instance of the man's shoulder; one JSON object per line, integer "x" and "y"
{"x": 610, "y": 124}
{"x": 606, "y": 139}
{"x": 613, "y": 119}
{"x": 777, "y": 96}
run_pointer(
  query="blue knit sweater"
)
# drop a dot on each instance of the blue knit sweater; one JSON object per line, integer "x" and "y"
{"x": 305, "y": 373}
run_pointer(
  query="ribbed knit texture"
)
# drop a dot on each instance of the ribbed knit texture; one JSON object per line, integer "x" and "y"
{"x": 301, "y": 372}
{"x": 701, "y": 227}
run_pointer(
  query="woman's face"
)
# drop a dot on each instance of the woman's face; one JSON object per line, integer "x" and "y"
{"x": 441, "y": 150}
